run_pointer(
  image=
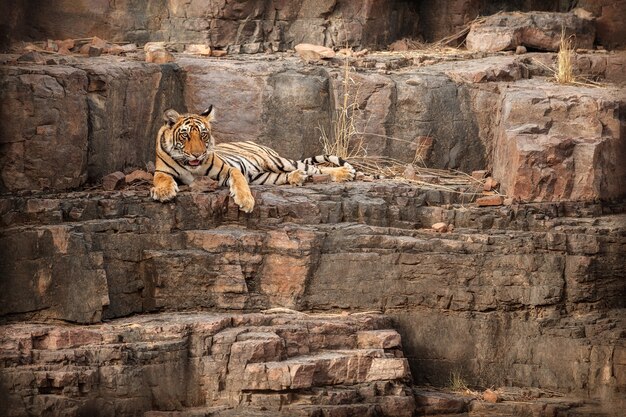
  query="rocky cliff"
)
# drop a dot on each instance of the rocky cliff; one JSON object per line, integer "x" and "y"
{"x": 327, "y": 299}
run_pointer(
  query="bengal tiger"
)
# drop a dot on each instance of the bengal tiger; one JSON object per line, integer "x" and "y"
{"x": 185, "y": 149}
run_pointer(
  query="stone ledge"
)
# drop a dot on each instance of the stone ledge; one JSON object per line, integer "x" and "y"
{"x": 178, "y": 361}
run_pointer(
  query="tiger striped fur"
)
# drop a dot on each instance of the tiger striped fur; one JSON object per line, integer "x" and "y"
{"x": 185, "y": 149}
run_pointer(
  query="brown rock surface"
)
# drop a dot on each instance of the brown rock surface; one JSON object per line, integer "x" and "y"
{"x": 561, "y": 143}
{"x": 113, "y": 181}
{"x": 44, "y": 137}
{"x": 537, "y": 30}
{"x": 200, "y": 361}
{"x": 501, "y": 265}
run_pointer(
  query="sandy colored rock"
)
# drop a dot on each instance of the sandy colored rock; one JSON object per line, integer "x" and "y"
{"x": 309, "y": 52}
{"x": 198, "y": 49}
{"x": 490, "y": 184}
{"x": 490, "y": 200}
{"x": 218, "y": 53}
{"x": 491, "y": 396}
{"x": 159, "y": 57}
{"x": 378, "y": 339}
{"x": 440, "y": 227}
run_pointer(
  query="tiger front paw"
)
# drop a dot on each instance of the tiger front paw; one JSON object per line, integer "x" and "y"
{"x": 165, "y": 189}
{"x": 297, "y": 177}
{"x": 342, "y": 174}
{"x": 244, "y": 200}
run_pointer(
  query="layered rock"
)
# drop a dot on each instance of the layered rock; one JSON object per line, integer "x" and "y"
{"x": 562, "y": 142}
{"x": 444, "y": 114}
{"x": 247, "y": 27}
{"x": 503, "y": 277}
{"x": 507, "y": 31}
{"x": 293, "y": 364}
{"x": 65, "y": 125}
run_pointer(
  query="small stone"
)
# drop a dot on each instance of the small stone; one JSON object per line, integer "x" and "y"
{"x": 122, "y": 49}
{"x": 440, "y": 227}
{"x": 159, "y": 57}
{"x": 198, "y": 49}
{"x": 508, "y": 201}
{"x": 479, "y": 175}
{"x": 67, "y": 44}
{"x": 218, "y": 53}
{"x": 360, "y": 53}
{"x": 520, "y": 50}
{"x": 490, "y": 184}
{"x": 309, "y": 52}
{"x": 138, "y": 175}
{"x": 320, "y": 178}
{"x": 491, "y": 396}
{"x": 154, "y": 46}
{"x": 490, "y": 200}
{"x": 450, "y": 228}
{"x": 113, "y": 181}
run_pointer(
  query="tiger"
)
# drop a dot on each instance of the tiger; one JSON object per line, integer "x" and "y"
{"x": 186, "y": 149}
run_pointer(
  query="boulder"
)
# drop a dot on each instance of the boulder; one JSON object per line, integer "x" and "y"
{"x": 536, "y": 30}
{"x": 559, "y": 143}
{"x": 309, "y": 52}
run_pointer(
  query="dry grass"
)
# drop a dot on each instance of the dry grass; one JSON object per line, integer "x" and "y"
{"x": 347, "y": 141}
{"x": 344, "y": 139}
{"x": 564, "y": 73}
{"x": 457, "y": 382}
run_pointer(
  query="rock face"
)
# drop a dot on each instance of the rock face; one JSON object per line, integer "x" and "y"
{"x": 610, "y": 21}
{"x": 35, "y": 109}
{"x": 503, "y": 277}
{"x": 444, "y": 113}
{"x": 507, "y": 31}
{"x": 116, "y": 109}
{"x": 294, "y": 364}
{"x": 549, "y": 138}
{"x": 247, "y": 27}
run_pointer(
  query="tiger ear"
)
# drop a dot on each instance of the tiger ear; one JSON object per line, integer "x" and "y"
{"x": 209, "y": 113}
{"x": 171, "y": 116}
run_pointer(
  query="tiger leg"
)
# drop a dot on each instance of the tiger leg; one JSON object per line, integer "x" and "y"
{"x": 240, "y": 190}
{"x": 295, "y": 177}
{"x": 342, "y": 170}
{"x": 165, "y": 187}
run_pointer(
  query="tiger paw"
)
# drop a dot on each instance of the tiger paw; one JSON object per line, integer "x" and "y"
{"x": 341, "y": 174}
{"x": 297, "y": 177}
{"x": 164, "y": 192}
{"x": 244, "y": 200}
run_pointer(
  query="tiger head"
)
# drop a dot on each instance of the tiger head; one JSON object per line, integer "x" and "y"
{"x": 187, "y": 138}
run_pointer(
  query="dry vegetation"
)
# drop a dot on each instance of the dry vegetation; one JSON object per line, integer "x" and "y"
{"x": 346, "y": 141}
